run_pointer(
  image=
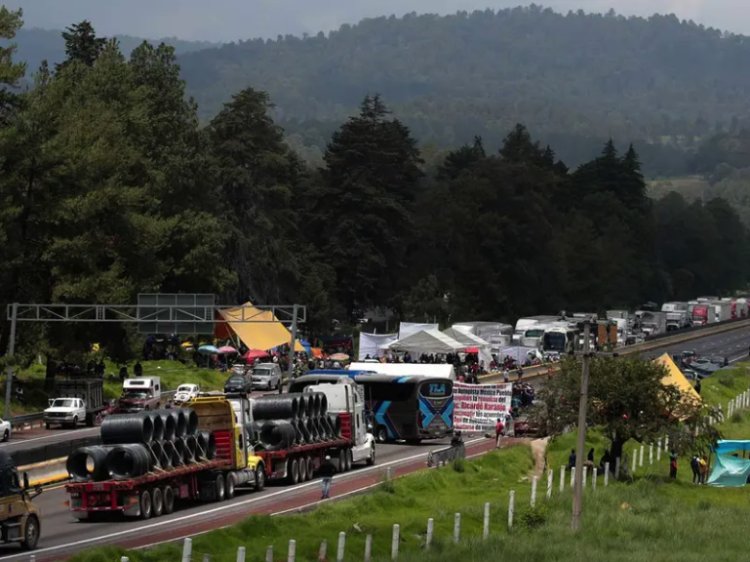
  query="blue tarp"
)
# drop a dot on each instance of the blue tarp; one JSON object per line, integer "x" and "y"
{"x": 728, "y": 470}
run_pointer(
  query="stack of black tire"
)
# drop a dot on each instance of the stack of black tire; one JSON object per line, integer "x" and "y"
{"x": 285, "y": 420}
{"x": 135, "y": 444}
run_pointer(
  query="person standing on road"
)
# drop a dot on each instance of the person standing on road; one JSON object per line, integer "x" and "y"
{"x": 327, "y": 470}
{"x": 499, "y": 427}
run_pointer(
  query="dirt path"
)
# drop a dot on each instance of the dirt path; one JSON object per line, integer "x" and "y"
{"x": 538, "y": 449}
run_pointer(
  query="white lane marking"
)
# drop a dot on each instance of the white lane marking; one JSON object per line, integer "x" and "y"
{"x": 226, "y": 507}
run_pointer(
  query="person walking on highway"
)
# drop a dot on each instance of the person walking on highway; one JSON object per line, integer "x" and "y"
{"x": 327, "y": 470}
{"x": 499, "y": 427}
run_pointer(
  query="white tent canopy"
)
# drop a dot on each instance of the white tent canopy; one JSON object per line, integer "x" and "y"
{"x": 372, "y": 344}
{"x": 406, "y": 329}
{"x": 466, "y": 338}
{"x": 427, "y": 341}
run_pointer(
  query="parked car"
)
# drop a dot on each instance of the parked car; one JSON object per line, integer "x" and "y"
{"x": 5, "y": 430}
{"x": 185, "y": 392}
{"x": 239, "y": 384}
{"x": 267, "y": 376}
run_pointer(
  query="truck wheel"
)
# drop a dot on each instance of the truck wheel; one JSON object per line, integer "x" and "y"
{"x": 310, "y": 468}
{"x": 382, "y": 435}
{"x": 46, "y": 425}
{"x": 371, "y": 458}
{"x": 6, "y": 436}
{"x": 348, "y": 461}
{"x": 31, "y": 533}
{"x": 292, "y": 470}
{"x": 145, "y": 505}
{"x": 75, "y": 422}
{"x": 219, "y": 488}
{"x": 168, "y": 500}
{"x": 260, "y": 478}
{"x": 302, "y": 467}
{"x": 342, "y": 461}
{"x": 229, "y": 484}
{"x": 157, "y": 502}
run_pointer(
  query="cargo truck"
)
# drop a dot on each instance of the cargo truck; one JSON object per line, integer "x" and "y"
{"x": 700, "y": 314}
{"x": 19, "y": 517}
{"x": 77, "y": 401}
{"x": 138, "y": 394}
{"x": 237, "y": 462}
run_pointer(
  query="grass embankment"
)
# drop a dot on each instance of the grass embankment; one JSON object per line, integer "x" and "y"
{"x": 652, "y": 518}
{"x": 171, "y": 373}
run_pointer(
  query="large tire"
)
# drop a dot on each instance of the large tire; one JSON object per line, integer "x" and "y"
{"x": 47, "y": 425}
{"x": 260, "y": 478}
{"x": 302, "y": 469}
{"x": 371, "y": 458}
{"x": 310, "y": 468}
{"x": 293, "y": 471}
{"x": 342, "y": 460}
{"x": 146, "y": 505}
{"x": 168, "y": 495}
{"x": 6, "y": 435}
{"x": 382, "y": 434}
{"x": 348, "y": 460}
{"x": 31, "y": 533}
{"x": 229, "y": 484}
{"x": 157, "y": 502}
{"x": 219, "y": 489}
{"x": 74, "y": 425}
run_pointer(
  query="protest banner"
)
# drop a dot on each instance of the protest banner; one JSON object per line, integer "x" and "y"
{"x": 477, "y": 406}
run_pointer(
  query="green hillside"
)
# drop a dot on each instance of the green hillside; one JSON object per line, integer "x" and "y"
{"x": 574, "y": 79}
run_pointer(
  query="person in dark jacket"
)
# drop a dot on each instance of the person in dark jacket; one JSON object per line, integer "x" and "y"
{"x": 138, "y": 369}
{"x": 326, "y": 471}
{"x": 572, "y": 459}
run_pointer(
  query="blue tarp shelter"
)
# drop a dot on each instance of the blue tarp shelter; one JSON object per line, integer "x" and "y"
{"x": 730, "y": 470}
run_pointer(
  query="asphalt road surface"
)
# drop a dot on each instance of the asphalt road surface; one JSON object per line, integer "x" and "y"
{"x": 63, "y": 535}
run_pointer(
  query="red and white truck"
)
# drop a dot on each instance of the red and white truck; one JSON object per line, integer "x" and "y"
{"x": 701, "y": 314}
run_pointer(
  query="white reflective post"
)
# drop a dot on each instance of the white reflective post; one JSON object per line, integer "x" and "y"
{"x": 550, "y": 477}
{"x": 292, "y": 553}
{"x": 457, "y": 528}
{"x": 486, "y": 522}
{"x": 606, "y": 474}
{"x": 511, "y": 502}
{"x": 368, "y": 548}
{"x": 430, "y": 530}
{"x": 341, "y": 547}
{"x": 562, "y": 479}
{"x": 187, "y": 550}
{"x": 534, "y": 481}
{"x": 394, "y": 541}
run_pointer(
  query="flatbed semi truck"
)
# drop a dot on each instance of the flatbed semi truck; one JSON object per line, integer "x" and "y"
{"x": 237, "y": 462}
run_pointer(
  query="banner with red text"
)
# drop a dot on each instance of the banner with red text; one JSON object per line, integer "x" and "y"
{"x": 477, "y": 406}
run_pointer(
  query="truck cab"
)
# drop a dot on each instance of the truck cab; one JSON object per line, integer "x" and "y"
{"x": 19, "y": 517}
{"x": 143, "y": 393}
{"x": 65, "y": 412}
{"x": 349, "y": 399}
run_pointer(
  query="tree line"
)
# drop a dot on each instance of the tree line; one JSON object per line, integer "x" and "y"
{"x": 111, "y": 187}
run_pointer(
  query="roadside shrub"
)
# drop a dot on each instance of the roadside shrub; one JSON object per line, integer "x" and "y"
{"x": 534, "y": 517}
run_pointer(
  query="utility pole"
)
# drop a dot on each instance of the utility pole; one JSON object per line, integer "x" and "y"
{"x": 290, "y": 367}
{"x": 9, "y": 370}
{"x": 582, "y": 407}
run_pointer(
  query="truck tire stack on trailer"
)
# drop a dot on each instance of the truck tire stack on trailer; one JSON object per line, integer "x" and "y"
{"x": 136, "y": 444}
{"x": 293, "y": 419}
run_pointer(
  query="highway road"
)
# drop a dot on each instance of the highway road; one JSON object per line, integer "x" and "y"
{"x": 62, "y": 535}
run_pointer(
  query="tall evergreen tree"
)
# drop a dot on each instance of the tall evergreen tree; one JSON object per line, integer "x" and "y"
{"x": 363, "y": 210}
{"x": 82, "y": 44}
{"x": 10, "y": 72}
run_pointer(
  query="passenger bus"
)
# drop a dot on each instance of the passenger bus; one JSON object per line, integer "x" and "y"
{"x": 408, "y": 408}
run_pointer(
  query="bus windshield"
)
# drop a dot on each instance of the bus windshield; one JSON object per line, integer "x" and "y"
{"x": 554, "y": 342}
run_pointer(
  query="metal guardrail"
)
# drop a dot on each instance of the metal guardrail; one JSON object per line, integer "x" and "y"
{"x": 445, "y": 455}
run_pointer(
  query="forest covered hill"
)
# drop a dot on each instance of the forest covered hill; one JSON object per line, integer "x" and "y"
{"x": 36, "y": 45}
{"x": 574, "y": 79}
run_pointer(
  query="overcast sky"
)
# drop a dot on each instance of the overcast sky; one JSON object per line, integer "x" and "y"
{"x": 228, "y": 20}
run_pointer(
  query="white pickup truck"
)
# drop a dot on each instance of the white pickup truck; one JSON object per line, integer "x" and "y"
{"x": 5, "y": 430}
{"x": 65, "y": 412}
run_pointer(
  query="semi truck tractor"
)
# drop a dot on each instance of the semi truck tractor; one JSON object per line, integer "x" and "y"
{"x": 234, "y": 451}
{"x": 19, "y": 517}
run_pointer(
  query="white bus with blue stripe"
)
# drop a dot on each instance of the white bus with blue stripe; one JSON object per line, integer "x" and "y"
{"x": 408, "y": 408}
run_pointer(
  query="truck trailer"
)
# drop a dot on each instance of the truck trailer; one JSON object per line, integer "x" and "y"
{"x": 239, "y": 461}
